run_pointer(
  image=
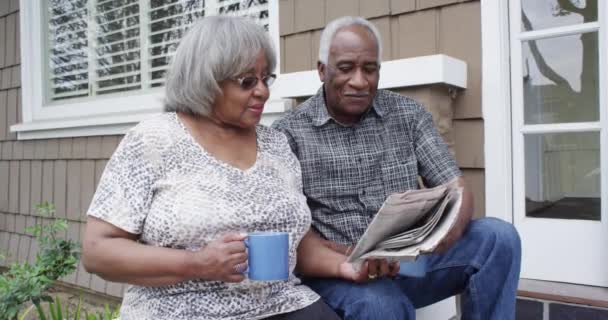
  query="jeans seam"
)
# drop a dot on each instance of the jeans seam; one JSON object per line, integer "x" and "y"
{"x": 473, "y": 297}
{"x": 456, "y": 265}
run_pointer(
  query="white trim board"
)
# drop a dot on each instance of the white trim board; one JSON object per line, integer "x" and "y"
{"x": 496, "y": 108}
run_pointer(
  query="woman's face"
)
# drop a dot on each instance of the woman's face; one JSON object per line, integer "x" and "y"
{"x": 242, "y": 107}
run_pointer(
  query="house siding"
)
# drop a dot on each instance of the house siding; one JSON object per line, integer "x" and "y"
{"x": 66, "y": 171}
{"x": 62, "y": 171}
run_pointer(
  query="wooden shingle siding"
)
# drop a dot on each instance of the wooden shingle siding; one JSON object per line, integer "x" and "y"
{"x": 3, "y": 119}
{"x": 417, "y": 34}
{"x": 338, "y": 8}
{"x": 24, "y": 187}
{"x": 51, "y": 149}
{"x": 384, "y": 27}
{"x": 2, "y": 41}
{"x": 73, "y": 190}
{"x": 79, "y": 148}
{"x": 10, "y": 40}
{"x": 65, "y": 148}
{"x": 13, "y": 187}
{"x": 373, "y": 9}
{"x": 47, "y": 181}
{"x": 476, "y": 178}
{"x": 309, "y": 15}
{"x": 468, "y": 136}
{"x": 425, "y": 4}
{"x": 87, "y": 186}
{"x": 460, "y": 37}
{"x": 62, "y": 171}
{"x": 35, "y": 185}
{"x": 402, "y": 6}
{"x": 11, "y": 112}
{"x": 298, "y": 53}
{"x": 10, "y": 222}
{"x": 4, "y": 185}
{"x": 13, "y": 248}
{"x": 60, "y": 187}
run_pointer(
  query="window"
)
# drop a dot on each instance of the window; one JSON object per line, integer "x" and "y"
{"x": 96, "y": 48}
{"x": 97, "y": 66}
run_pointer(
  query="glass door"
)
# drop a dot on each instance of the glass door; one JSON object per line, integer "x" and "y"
{"x": 560, "y": 142}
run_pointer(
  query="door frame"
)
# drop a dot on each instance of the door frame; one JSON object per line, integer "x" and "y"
{"x": 496, "y": 108}
{"x": 497, "y": 104}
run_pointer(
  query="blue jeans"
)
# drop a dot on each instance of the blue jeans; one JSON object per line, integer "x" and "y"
{"x": 483, "y": 266}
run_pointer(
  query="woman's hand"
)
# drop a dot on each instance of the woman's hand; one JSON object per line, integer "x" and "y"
{"x": 223, "y": 259}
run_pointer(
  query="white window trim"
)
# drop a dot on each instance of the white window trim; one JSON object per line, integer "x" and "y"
{"x": 496, "y": 108}
{"x": 115, "y": 115}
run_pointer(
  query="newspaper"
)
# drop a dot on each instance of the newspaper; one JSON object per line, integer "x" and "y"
{"x": 408, "y": 224}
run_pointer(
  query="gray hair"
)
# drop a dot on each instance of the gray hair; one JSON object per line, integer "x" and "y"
{"x": 215, "y": 49}
{"x": 334, "y": 26}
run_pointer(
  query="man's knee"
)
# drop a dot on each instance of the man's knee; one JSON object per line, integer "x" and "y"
{"x": 502, "y": 234}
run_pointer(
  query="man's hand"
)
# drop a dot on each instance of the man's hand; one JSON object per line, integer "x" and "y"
{"x": 463, "y": 219}
{"x": 369, "y": 270}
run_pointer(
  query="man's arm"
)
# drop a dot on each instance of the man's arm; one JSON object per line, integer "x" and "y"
{"x": 316, "y": 258}
{"x": 322, "y": 258}
{"x": 462, "y": 221}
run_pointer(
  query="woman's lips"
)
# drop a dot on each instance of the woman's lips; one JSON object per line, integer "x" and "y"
{"x": 257, "y": 108}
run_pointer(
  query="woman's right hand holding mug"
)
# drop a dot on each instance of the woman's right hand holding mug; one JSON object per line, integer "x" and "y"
{"x": 223, "y": 259}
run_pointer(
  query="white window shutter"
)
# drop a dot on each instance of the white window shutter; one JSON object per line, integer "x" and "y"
{"x": 102, "y": 47}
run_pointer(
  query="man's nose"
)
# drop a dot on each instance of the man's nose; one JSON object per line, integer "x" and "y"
{"x": 358, "y": 79}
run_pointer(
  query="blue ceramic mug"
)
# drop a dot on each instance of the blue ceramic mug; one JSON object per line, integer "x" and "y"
{"x": 416, "y": 268}
{"x": 268, "y": 256}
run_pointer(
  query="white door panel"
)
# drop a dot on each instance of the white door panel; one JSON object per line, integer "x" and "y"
{"x": 560, "y": 141}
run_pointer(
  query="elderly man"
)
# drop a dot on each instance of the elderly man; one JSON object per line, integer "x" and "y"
{"x": 356, "y": 145}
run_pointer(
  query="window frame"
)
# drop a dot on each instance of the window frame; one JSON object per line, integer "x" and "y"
{"x": 88, "y": 117}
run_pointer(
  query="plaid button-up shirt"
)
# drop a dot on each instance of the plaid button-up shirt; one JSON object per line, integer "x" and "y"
{"x": 348, "y": 171}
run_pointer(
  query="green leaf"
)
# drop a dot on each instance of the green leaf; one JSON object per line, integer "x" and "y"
{"x": 77, "y": 311}
{"x": 41, "y": 315}
{"x": 25, "y": 313}
{"x": 58, "y": 305}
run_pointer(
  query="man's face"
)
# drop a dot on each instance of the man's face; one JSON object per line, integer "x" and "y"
{"x": 351, "y": 75}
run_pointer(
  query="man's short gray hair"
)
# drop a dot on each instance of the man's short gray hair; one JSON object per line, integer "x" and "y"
{"x": 215, "y": 49}
{"x": 334, "y": 26}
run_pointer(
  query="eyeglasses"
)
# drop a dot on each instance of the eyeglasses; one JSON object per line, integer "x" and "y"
{"x": 249, "y": 82}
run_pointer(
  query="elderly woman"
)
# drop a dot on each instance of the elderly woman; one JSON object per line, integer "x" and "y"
{"x": 183, "y": 188}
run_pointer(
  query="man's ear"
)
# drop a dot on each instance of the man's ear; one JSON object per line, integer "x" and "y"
{"x": 321, "y": 69}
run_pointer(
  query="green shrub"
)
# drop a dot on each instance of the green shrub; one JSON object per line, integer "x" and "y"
{"x": 56, "y": 258}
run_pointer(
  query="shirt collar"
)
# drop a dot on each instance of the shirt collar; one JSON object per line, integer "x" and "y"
{"x": 321, "y": 116}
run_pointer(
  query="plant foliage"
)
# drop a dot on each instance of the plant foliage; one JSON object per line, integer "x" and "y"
{"x": 56, "y": 258}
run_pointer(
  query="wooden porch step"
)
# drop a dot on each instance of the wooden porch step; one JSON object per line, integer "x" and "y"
{"x": 564, "y": 292}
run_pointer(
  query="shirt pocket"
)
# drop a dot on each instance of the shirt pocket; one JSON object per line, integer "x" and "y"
{"x": 399, "y": 171}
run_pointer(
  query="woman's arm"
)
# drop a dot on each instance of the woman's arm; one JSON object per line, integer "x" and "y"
{"x": 115, "y": 255}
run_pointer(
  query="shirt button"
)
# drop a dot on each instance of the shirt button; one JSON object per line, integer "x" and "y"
{"x": 360, "y": 159}
{"x": 363, "y": 192}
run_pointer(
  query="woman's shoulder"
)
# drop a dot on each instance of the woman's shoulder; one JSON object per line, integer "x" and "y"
{"x": 270, "y": 135}
{"x": 156, "y": 132}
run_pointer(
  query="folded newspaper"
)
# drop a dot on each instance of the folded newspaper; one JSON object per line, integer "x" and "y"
{"x": 408, "y": 224}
